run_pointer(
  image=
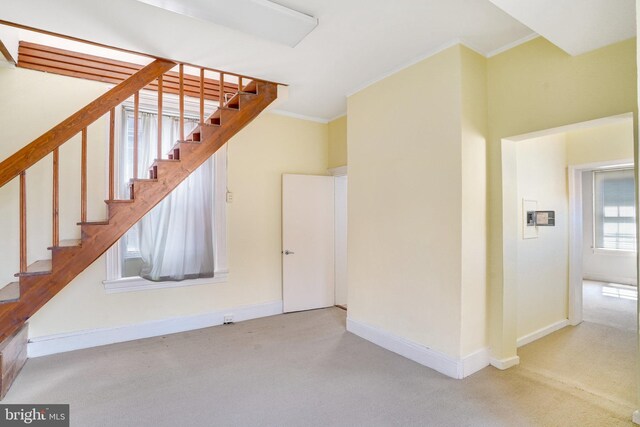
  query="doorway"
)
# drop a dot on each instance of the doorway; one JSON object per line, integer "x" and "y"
{"x": 543, "y": 265}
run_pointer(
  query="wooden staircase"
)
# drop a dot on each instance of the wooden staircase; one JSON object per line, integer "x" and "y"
{"x": 42, "y": 280}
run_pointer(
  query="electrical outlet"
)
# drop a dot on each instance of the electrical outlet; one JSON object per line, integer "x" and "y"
{"x": 228, "y": 319}
{"x": 229, "y": 197}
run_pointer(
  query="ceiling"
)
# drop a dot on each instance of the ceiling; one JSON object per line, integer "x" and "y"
{"x": 356, "y": 42}
{"x": 576, "y": 26}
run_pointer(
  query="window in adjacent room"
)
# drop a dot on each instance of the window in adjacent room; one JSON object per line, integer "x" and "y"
{"x": 614, "y": 209}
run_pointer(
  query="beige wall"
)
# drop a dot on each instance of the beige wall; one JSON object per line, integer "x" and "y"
{"x": 543, "y": 266}
{"x": 33, "y": 102}
{"x": 416, "y": 198}
{"x": 338, "y": 142}
{"x": 533, "y": 87}
{"x": 601, "y": 144}
{"x": 474, "y": 202}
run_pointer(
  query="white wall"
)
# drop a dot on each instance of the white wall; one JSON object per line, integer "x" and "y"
{"x": 32, "y": 102}
{"x": 542, "y": 273}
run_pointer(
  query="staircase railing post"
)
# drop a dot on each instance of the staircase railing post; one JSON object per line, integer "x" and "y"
{"x": 181, "y": 103}
{"x": 23, "y": 221}
{"x": 56, "y": 198}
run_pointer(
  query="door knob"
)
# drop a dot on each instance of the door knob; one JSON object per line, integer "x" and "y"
{"x": 288, "y": 252}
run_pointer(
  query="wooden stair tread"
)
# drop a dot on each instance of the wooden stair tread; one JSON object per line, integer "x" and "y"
{"x": 132, "y": 180}
{"x": 68, "y": 243}
{"x": 37, "y": 268}
{"x": 116, "y": 201}
{"x": 93, "y": 223}
{"x": 10, "y": 293}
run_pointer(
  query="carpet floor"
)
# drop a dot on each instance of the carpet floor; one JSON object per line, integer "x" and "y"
{"x": 299, "y": 369}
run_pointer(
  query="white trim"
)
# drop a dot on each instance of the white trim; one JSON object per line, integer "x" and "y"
{"x": 447, "y": 365}
{"x": 339, "y": 116}
{"x": 630, "y": 281}
{"x": 339, "y": 171}
{"x": 536, "y": 335}
{"x": 511, "y": 45}
{"x": 575, "y": 245}
{"x": 475, "y": 361}
{"x": 300, "y": 116}
{"x": 615, "y": 252}
{"x": 507, "y": 363}
{"x": 134, "y": 284}
{"x": 60, "y": 343}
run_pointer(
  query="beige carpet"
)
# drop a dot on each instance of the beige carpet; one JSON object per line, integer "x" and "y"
{"x": 298, "y": 369}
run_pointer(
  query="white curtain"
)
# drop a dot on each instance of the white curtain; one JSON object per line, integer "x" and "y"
{"x": 175, "y": 239}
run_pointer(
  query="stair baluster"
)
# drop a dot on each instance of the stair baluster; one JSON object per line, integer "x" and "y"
{"x": 56, "y": 198}
{"x": 136, "y": 113}
{"x": 201, "y": 96}
{"x": 221, "y": 92}
{"x": 159, "y": 152}
{"x": 112, "y": 133}
{"x": 83, "y": 177}
{"x": 23, "y": 221}
{"x": 181, "y": 102}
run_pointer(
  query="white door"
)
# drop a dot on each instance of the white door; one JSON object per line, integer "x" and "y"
{"x": 307, "y": 242}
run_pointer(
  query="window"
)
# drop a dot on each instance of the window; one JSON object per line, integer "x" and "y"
{"x": 614, "y": 209}
{"x": 146, "y": 257}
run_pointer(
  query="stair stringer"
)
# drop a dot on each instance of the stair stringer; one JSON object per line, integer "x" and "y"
{"x": 97, "y": 238}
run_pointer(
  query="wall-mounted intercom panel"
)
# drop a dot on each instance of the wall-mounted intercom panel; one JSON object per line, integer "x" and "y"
{"x": 541, "y": 218}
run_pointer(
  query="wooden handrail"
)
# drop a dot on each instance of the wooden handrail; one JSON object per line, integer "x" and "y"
{"x": 45, "y": 144}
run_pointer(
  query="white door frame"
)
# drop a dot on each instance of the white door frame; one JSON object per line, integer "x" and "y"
{"x": 338, "y": 172}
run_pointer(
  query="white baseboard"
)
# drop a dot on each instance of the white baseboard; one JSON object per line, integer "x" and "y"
{"x": 452, "y": 367}
{"x": 536, "y": 335}
{"x": 636, "y": 417}
{"x": 475, "y": 361}
{"x": 60, "y": 343}
{"x": 507, "y": 363}
{"x": 631, "y": 281}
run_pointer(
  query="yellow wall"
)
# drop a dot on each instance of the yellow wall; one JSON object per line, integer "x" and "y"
{"x": 338, "y": 142}
{"x": 533, "y": 87}
{"x": 603, "y": 143}
{"x": 543, "y": 262}
{"x": 33, "y": 102}
{"x": 416, "y": 182}
{"x": 474, "y": 202}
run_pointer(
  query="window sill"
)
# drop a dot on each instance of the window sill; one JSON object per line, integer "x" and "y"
{"x": 614, "y": 252}
{"x": 135, "y": 284}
